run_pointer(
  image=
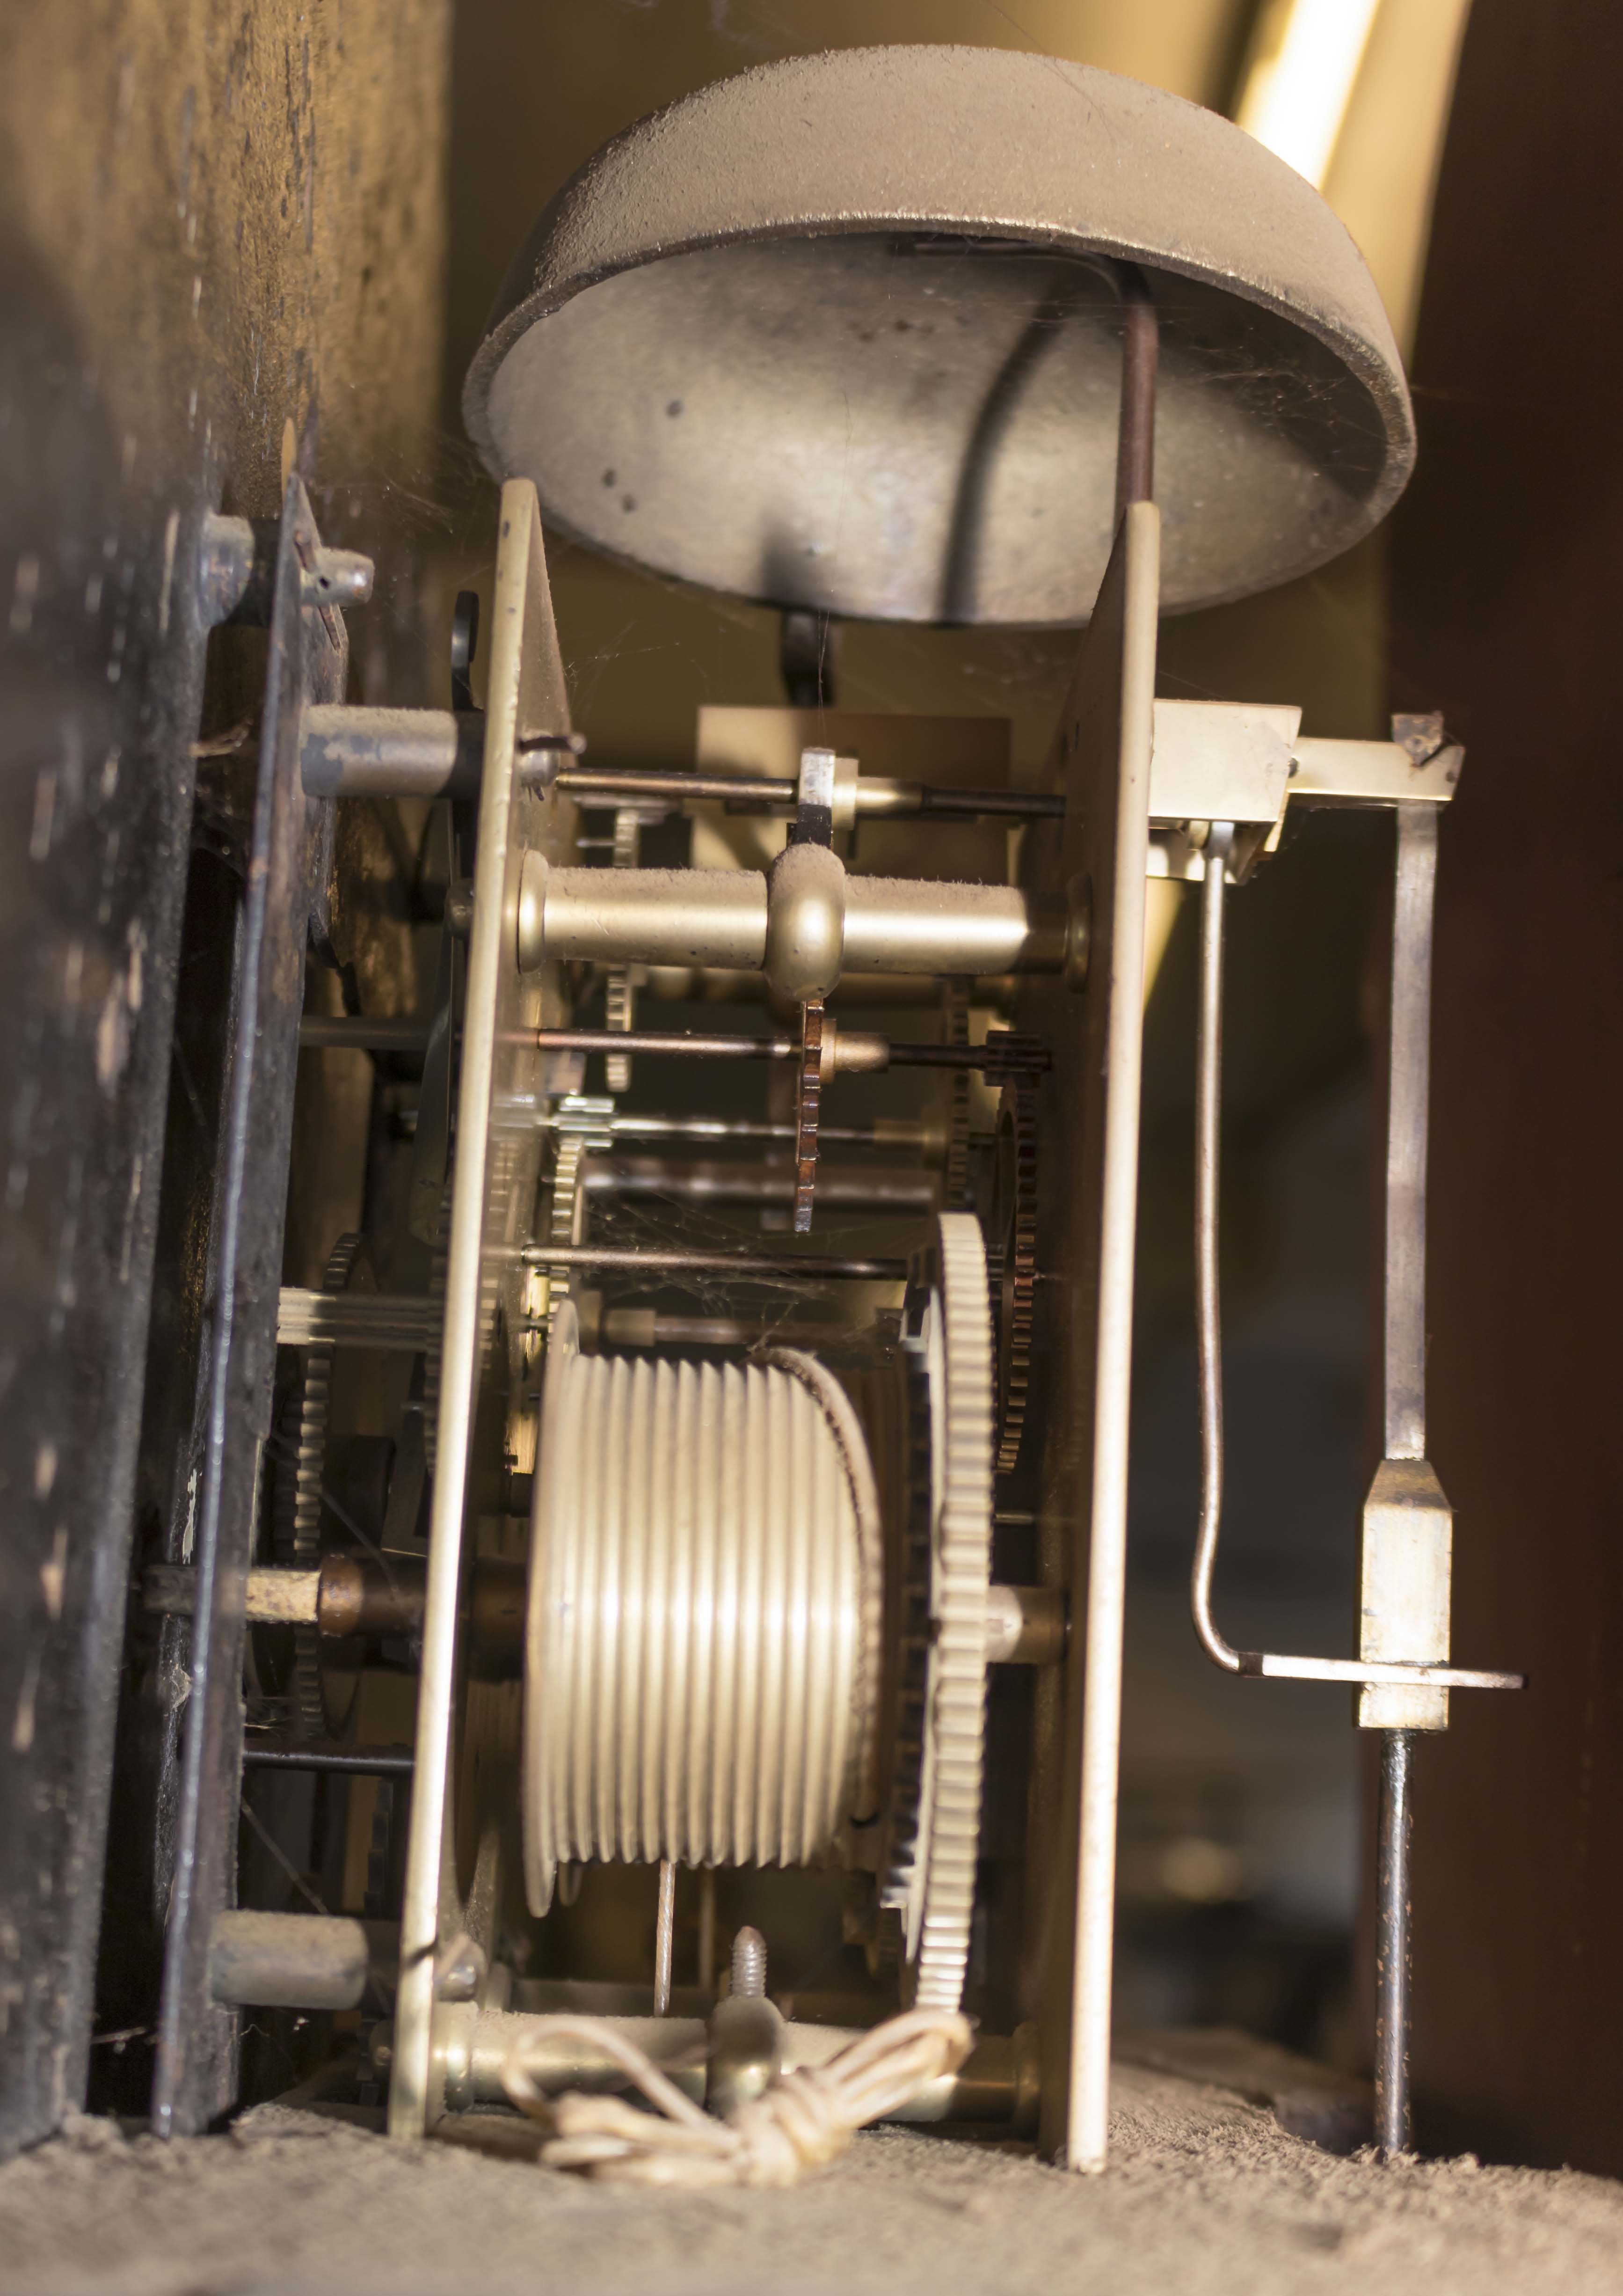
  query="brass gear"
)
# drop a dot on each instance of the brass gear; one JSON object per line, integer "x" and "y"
{"x": 928, "y": 1874}
{"x": 619, "y": 992}
{"x": 899, "y": 1414}
{"x": 1010, "y": 1225}
{"x": 581, "y": 1127}
{"x": 955, "y": 1032}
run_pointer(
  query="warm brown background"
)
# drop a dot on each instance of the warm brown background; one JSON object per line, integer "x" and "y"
{"x": 1507, "y": 598}
{"x": 228, "y": 230}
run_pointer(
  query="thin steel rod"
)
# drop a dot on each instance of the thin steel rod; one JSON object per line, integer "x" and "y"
{"x": 852, "y": 1187}
{"x": 898, "y": 1134}
{"x": 1140, "y": 357}
{"x": 358, "y": 1761}
{"x": 670, "y": 1040}
{"x": 1006, "y": 1054}
{"x": 635, "y": 1260}
{"x": 1209, "y": 1322}
{"x": 990, "y": 804}
{"x": 611, "y": 782}
{"x": 1405, "y": 1150}
{"x": 998, "y": 1055}
{"x": 664, "y": 1938}
{"x": 1394, "y": 2125}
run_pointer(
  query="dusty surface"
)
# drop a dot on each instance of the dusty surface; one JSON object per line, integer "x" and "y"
{"x": 1207, "y": 2193}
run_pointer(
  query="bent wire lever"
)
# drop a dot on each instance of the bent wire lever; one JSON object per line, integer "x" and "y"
{"x": 1209, "y": 1093}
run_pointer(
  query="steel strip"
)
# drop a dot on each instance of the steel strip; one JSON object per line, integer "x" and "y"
{"x": 194, "y": 2074}
{"x": 495, "y": 1161}
{"x": 1081, "y": 1350}
{"x": 1409, "y": 1075}
{"x": 1087, "y": 2105}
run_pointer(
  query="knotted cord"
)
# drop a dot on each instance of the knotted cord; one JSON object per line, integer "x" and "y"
{"x": 797, "y": 2127}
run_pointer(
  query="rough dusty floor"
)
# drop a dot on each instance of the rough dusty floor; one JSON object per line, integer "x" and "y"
{"x": 1207, "y": 2193}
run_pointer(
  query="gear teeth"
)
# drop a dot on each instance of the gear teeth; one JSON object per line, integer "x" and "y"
{"x": 619, "y": 990}
{"x": 955, "y": 1715}
{"x": 310, "y": 1716}
{"x": 955, "y": 1030}
{"x": 588, "y": 1129}
{"x": 1013, "y": 1223}
{"x": 899, "y": 1864}
{"x": 563, "y": 1218}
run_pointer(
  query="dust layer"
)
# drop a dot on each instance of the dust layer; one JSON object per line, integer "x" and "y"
{"x": 1205, "y": 2193}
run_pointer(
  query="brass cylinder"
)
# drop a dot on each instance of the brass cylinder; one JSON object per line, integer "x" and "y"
{"x": 688, "y": 917}
{"x": 806, "y": 897}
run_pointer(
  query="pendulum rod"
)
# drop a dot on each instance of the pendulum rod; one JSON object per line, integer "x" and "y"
{"x": 1405, "y": 1379}
{"x": 1394, "y": 2120}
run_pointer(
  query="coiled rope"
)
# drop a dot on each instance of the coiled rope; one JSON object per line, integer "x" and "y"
{"x": 797, "y": 2127}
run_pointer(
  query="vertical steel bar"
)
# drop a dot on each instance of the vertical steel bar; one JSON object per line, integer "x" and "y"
{"x": 1393, "y": 2117}
{"x": 194, "y": 2074}
{"x": 1409, "y": 1087}
{"x": 1087, "y": 2118}
{"x": 1406, "y": 1151}
{"x": 492, "y": 1176}
{"x": 1409, "y": 1080}
{"x": 1088, "y": 2112}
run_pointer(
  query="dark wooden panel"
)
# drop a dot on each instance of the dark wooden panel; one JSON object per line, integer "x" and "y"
{"x": 220, "y": 246}
{"x": 1508, "y": 600}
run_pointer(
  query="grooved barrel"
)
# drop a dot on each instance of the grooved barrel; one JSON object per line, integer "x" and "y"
{"x": 701, "y": 1655}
